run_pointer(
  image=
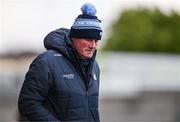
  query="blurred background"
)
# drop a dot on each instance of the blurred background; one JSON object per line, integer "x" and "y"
{"x": 139, "y": 54}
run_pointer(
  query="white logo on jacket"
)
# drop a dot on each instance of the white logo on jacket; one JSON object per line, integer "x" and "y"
{"x": 94, "y": 77}
{"x": 57, "y": 54}
{"x": 68, "y": 76}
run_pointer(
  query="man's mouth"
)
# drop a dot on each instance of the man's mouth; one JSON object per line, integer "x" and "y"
{"x": 91, "y": 51}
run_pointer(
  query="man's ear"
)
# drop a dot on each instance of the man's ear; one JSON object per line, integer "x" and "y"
{"x": 72, "y": 40}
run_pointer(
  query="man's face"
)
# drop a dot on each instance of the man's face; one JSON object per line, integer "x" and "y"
{"x": 85, "y": 47}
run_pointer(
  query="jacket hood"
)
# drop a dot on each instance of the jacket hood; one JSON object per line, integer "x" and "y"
{"x": 59, "y": 41}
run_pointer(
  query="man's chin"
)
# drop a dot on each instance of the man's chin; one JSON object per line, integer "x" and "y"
{"x": 88, "y": 56}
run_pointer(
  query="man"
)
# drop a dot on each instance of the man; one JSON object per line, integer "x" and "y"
{"x": 62, "y": 84}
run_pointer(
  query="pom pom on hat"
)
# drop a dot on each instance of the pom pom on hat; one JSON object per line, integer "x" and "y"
{"x": 87, "y": 24}
{"x": 88, "y": 9}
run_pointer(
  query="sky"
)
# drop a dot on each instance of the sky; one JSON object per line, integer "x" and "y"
{"x": 25, "y": 23}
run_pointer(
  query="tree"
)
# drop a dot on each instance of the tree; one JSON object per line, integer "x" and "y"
{"x": 145, "y": 30}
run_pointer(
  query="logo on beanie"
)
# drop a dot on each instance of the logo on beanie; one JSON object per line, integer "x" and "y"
{"x": 79, "y": 23}
{"x": 86, "y": 24}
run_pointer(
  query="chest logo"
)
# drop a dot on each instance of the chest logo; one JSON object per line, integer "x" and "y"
{"x": 94, "y": 77}
{"x": 68, "y": 76}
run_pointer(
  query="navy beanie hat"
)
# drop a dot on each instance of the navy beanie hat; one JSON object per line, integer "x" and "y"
{"x": 86, "y": 25}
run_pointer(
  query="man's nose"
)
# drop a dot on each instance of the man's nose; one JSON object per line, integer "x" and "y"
{"x": 93, "y": 44}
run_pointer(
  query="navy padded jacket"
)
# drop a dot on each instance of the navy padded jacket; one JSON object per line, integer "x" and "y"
{"x": 55, "y": 88}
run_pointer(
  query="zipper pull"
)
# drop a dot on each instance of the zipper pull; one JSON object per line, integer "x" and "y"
{"x": 87, "y": 93}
